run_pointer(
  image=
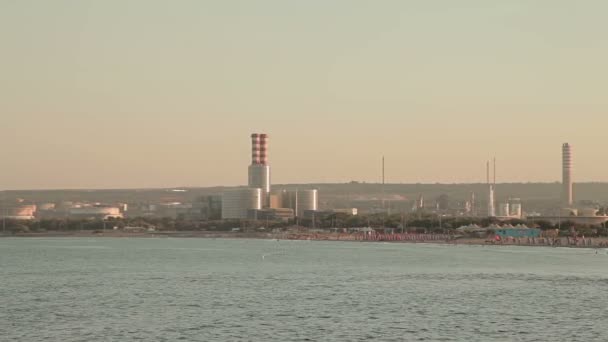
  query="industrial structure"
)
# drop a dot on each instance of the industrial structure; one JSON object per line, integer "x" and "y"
{"x": 568, "y": 213}
{"x": 259, "y": 170}
{"x": 299, "y": 201}
{"x": 491, "y": 190}
{"x": 95, "y": 212}
{"x": 306, "y": 200}
{"x": 503, "y": 210}
{"x": 257, "y": 201}
{"x": 515, "y": 208}
{"x": 19, "y": 211}
{"x": 236, "y": 203}
{"x": 567, "y": 195}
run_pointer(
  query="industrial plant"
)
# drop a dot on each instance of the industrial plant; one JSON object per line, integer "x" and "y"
{"x": 355, "y": 203}
{"x": 258, "y": 200}
{"x": 584, "y": 215}
{"x": 504, "y": 211}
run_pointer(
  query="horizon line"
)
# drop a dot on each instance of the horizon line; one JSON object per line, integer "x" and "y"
{"x": 285, "y": 184}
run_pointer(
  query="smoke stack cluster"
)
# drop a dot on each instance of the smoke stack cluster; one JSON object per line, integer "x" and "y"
{"x": 259, "y": 149}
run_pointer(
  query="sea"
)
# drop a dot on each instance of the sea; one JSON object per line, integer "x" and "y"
{"x": 195, "y": 289}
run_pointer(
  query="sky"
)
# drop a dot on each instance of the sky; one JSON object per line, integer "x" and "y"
{"x": 149, "y": 93}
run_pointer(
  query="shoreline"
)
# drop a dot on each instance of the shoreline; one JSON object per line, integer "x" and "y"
{"x": 591, "y": 243}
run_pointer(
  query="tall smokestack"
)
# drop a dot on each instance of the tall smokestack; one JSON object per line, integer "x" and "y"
{"x": 567, "y": 196}
{"x": 259, "y": 171}
{"x": 255, "y": 149}
{"x": 263, "y": 149}
{"x": 491, "y": 200}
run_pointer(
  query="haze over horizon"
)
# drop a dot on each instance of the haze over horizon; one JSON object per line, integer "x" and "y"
{"x": 140, "y": 94}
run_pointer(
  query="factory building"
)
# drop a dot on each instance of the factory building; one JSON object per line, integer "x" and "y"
{"x": 19, "y": 212}
{"x": 95, "y": 212}
{"x": 324, "y": 214}
{"x": 271, "y": 214}
{"x": 178, "y": 210}
{"x": 346, "y": 211}
{"x": 249, "y": 202}
{"x": 236, "y": 203}
{"x": 209, "y": 207}
{"x": 276, "y": 199}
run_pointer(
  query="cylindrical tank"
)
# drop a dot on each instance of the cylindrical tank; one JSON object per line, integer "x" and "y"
{"x": 588, "y": 212}
{"x": 503, "y": 209}
{"x": 516, "y": 210}
{"x": 565, "y": 212}
{"x": 306, "y": 200}
{"x": 236, "y": 203}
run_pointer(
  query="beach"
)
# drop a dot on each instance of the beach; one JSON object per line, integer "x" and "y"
{"x": 593, "y": 242}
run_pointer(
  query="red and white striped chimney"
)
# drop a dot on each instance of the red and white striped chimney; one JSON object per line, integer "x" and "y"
{"x": 263, "y": 149}
{"x": 255, "y": 149}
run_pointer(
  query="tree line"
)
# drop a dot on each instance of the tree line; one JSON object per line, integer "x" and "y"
{"x": 420, "y": 223}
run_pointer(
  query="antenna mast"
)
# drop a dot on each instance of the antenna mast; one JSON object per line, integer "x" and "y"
{"x": 494, "y": 171}
{"x": 383, "y": 179}
{"x": 488, "y": 172}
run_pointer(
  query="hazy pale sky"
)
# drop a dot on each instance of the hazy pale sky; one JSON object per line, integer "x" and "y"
{"x": 144, "y": 93}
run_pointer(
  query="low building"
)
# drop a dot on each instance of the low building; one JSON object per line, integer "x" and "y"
{"x": 176, "y": 210}
{"x": 586, "y": 216}
{"x": 347, "y": 211}
{"x": 208, "y": 207}
{"x": 273, "y": 214}
{"x": 19, "y": 212}
{"x": 518, "y": 232}
{"x": 318, "y": 214}
{"x": 95, "y": 212}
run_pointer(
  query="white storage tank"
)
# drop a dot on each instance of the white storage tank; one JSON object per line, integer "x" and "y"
{"x": 516, "y": 210}
{"x": 306, "y": 200}
{"x": 236, "y": 203}
{"x": 503, "y": 210}
{"x": 588, "y": 212}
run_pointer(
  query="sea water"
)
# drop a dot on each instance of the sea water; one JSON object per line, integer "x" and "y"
{"x": 165, "y": 289}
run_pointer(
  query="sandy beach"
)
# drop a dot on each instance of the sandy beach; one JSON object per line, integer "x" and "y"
{"x": 413, "y": 238}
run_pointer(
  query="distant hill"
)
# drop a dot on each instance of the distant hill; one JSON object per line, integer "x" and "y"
{"x": 533, "y": 195}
